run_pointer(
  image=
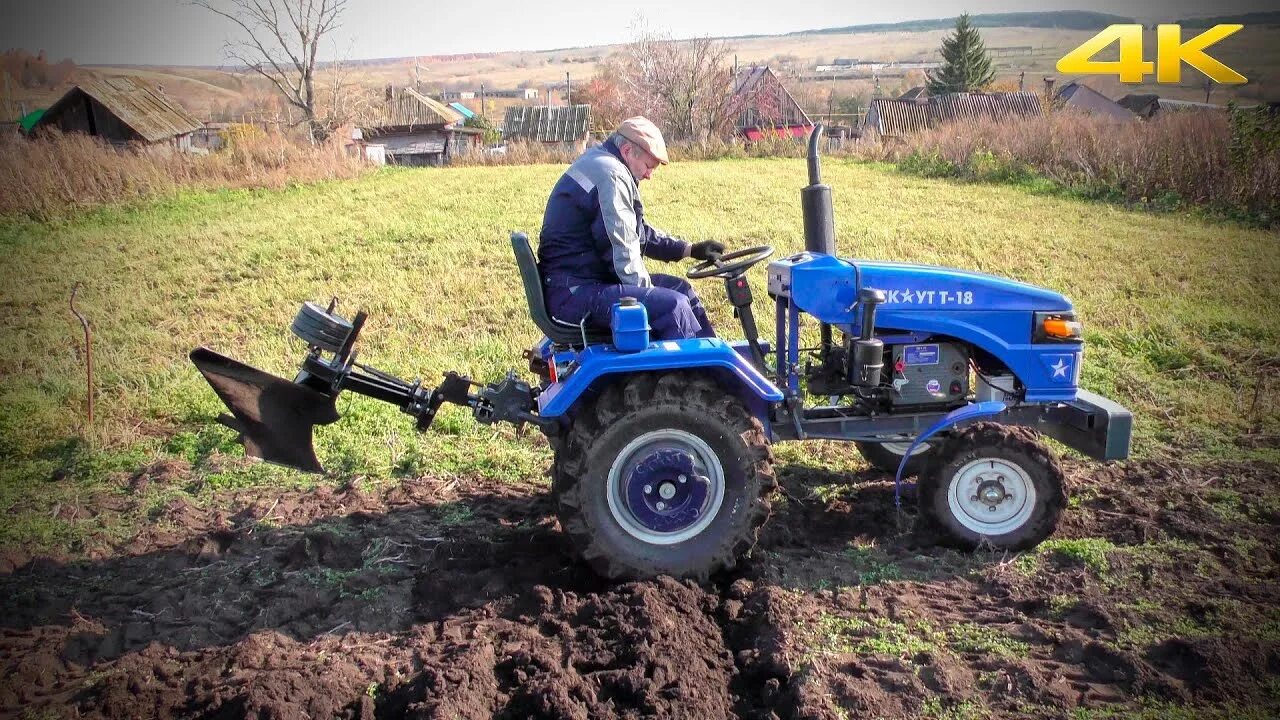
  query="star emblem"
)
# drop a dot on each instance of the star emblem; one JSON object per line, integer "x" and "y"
{"x": 1060, "y": 368}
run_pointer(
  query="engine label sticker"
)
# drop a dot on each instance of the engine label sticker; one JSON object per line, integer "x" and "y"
{"x": 920, "y": 355}
{"x": 929, "y": 297}
{"x": 934, "y": 387}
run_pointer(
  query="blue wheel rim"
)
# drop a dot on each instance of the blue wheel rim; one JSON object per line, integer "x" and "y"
{"x": 665, "y": 487}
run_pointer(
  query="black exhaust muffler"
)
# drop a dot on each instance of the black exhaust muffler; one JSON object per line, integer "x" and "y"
{"x": 815, "y": 200}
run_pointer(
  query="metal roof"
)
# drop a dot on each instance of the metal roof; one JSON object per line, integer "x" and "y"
{"x": 897, "y": 117}
{"x": 408, "y": 107}
{"x": 748, "y": 77}
{"x": 462, "y": 110}
{"x": 548, "y": 124}
{"x": 144, "y": 109}
{"x": 901, "y": 117}
{"x": 951, "y": 107}
{"x": 1086, "y": 99}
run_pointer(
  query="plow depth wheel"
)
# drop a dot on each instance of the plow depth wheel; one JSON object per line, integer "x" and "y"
{"x": 663, "y": 474}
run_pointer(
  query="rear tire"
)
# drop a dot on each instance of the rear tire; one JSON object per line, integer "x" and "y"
{"x": 994, "y": 484}
{"x": 887, "y": 456}
{"x": 617, "y": 481}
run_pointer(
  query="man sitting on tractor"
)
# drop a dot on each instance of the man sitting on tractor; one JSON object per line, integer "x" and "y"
{"x": 594, "y": 240}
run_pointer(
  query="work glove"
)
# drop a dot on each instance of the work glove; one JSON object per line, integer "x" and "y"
{"x": 706, "y": 250}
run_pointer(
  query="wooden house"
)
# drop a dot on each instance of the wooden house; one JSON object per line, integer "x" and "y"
{"x": 417, "y": 130}
{"x": 121, "y": 110}
{"x": 760, "y": 105}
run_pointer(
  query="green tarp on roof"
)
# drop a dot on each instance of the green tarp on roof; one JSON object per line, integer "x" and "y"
{"x": 29, "y": 120}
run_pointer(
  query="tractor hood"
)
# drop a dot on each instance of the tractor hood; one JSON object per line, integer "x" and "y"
{"x": 827, "y": 287}
{"x": 909, "y": 287}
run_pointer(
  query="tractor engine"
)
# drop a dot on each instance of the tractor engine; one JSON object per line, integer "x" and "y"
{"x": 912, "y": 376}
{"x": 926, "y": 374}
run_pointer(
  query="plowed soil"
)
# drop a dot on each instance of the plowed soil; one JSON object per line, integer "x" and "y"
{"x": 449, "y": 599}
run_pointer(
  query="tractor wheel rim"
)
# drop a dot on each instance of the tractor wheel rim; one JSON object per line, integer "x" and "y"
{"x": 647, "y": 497}
{"x": 991, "y": 496}
{"x": 900, "y": 448}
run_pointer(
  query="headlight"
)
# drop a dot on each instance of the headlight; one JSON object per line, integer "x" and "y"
{"x": 1055, "y": 327}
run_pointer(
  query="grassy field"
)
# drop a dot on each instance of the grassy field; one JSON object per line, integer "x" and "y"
{"x": 1179, "y": 314}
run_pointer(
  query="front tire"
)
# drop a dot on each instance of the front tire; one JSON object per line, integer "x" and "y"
{"x": 993, "y": 484}
{"x": 663, "y": 474}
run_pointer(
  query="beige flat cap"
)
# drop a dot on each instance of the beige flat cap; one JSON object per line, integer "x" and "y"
{"x": 644, "y": 133}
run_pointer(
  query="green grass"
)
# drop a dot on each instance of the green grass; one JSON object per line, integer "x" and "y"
{"x": 1179, "y": 312}
{"x": 1089, "y": 552}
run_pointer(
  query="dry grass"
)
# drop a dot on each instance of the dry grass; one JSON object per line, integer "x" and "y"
{"x": 1175, "y": 159}
{"x": 46, "y": 177}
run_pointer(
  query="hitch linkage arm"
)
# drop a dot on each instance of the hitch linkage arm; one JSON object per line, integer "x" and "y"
{"x": 509, "y": 400}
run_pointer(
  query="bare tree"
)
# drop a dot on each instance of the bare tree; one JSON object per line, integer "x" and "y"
{"x": 280, "y": 40}
{"x": 682, "y": 85}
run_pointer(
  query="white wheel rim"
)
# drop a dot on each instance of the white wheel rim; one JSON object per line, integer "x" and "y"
{"x": 706, "y": 463}
{"x": 991, "y": 496}
{"x": 900, "y": 448}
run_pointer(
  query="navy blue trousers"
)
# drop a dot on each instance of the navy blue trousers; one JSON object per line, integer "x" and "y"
{"x": 675, "y": 312}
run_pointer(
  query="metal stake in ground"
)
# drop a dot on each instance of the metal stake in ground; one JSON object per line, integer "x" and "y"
{"x": 88, "y": 352}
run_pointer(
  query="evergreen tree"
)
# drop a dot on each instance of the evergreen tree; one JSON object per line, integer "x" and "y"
{"x": 965, "y": 65}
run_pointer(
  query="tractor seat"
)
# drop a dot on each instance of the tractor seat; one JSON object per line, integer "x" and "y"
{"x": 561, "y": 333}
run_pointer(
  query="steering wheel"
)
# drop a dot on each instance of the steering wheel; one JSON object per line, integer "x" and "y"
{"x": 730, "y": 264}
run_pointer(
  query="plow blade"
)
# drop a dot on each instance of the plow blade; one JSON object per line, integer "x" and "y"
{"x": 274, "y": 416}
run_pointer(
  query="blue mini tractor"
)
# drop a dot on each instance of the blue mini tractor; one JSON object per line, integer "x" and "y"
{"x": 662, "y": 449}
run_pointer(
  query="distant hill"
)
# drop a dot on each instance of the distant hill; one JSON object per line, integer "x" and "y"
{"x": 1060, "y": 19}
{"x": 1246, "y": 19}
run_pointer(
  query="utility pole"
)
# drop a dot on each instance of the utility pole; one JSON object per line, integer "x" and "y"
{"x": 568, "y": 91}
{"x": 482, "y": 99}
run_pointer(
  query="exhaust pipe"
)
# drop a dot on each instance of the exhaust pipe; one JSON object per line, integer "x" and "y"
{"x": 815, "y": 199}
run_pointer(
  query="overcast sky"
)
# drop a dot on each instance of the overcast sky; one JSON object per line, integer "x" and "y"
{"x": 172, "y": 32}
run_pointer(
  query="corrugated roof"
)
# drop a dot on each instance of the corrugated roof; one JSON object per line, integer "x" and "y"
{"x": 902, "y": 117}
{"x": 951, "y": 107}
{"x": 548, "y": 124}
{"x": 138, "y": 105}
{"x": 1086, "y": 99}
{"x": 897, "y": 117}
{"x": 409, "y": 107}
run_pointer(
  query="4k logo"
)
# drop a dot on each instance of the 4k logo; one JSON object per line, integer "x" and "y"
{"x": 1171, "y": 52}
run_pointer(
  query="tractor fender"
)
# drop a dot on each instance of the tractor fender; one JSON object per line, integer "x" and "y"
{"x": 598, "y": 365}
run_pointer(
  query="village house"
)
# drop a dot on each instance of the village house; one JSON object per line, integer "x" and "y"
{"x": 762, "y": 106}
{"x": 1082, "y": 98}
{"x": 121, "y": 110}
{"x": 416, "y": 130}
